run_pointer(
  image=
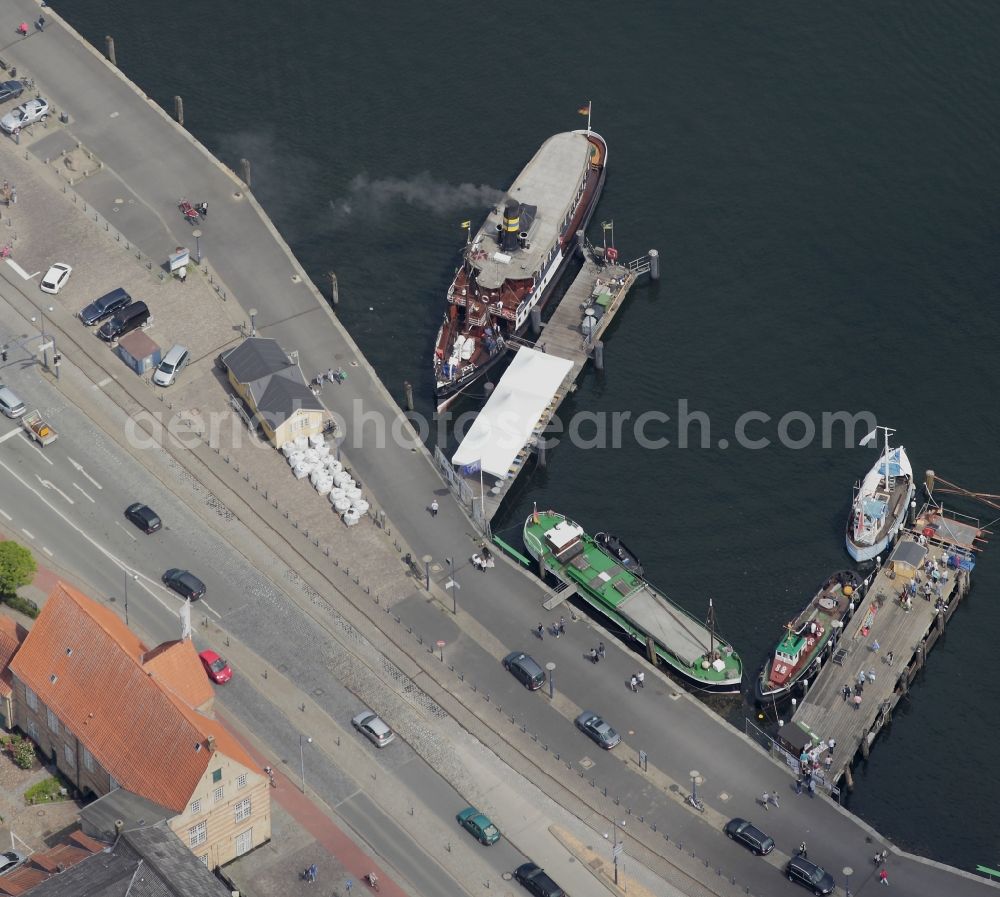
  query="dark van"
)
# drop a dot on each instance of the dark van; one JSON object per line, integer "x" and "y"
{"x": 130, "y": 318}
{"x": 525, "y": 670}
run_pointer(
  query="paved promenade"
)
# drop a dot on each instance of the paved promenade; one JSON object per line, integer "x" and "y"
{"x": 152, "y": 163}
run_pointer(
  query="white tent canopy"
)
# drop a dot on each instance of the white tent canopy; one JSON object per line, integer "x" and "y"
{"x": 505, "y": 424}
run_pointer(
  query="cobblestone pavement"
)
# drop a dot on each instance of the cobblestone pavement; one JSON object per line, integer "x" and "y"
{"x": 33, "y": 827}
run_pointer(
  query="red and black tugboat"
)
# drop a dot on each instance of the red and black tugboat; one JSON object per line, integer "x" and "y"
{"x": 518, "y": 255}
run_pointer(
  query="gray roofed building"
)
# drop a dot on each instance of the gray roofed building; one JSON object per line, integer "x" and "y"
{"x": 98, "y": 818}
{"x": 144, "y": 862}
{"x": 273, "y": 387}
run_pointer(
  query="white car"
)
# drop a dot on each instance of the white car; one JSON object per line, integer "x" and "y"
{"x": 371, "y": 726}
{"x": 25, "y": 114}
{"x": 171, "y": 365}
{"x": 55, "y": 278}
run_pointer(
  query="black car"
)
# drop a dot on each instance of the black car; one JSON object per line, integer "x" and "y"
{"x": 750, "y": 836}
{"x": 809, "y": 875}
{"x": 185, "y": 583}
{"x": 103, "y": 308}
{"x": 143, "y": 517}
{"x": 523, "y": 668}
{"x": 535, "y": 880}
{"x": 10, "y": 90}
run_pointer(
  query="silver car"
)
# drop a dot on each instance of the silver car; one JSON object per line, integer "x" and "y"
{"x": 594, "y": 727}
{"x": 371, "y": 726}
{"x": 10, "y": 404}
{"x": 171, "y": 365}
{"x": 25, "y": 114}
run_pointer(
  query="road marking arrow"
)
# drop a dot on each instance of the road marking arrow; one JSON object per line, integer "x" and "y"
{"x": 79, "y": 468}
{"x": 54, "y": 488}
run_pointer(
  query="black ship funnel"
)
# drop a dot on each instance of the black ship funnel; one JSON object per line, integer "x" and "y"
{"x": 511, "y": 226}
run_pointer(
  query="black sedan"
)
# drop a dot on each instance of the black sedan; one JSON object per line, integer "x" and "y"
{"x": 101, "y": 309}
{"x": 751, "y": 837}
{"x": 10, "y": 90}
{"x": 537, "y": 882}
{"x": 143, "y": 517}
{"x": 184, "y": 583}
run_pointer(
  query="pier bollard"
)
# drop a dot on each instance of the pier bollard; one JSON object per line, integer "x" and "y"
{"x": 654, "y": 264}
{"x": 408, "y": 393}
{"x": 599, "y": 355}
{"x": 245, "y": 171}
{"x": 109, "y": 43}
{"x": 536, "y": 321}
{"x": 179, "y": 110}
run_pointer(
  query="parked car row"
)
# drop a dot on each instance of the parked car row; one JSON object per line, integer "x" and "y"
{"x": 799, "y": 870}
{"x": 118, "y": 313}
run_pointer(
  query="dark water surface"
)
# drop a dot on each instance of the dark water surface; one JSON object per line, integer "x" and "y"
{"x": 821, "y": 182}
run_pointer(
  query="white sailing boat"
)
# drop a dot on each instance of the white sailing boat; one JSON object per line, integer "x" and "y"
{"x": 881, "y": 500}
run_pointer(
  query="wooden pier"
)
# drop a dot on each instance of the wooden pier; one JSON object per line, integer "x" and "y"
{"x": 563, "y": 336}
{"x": 885, "y": 644}
{"x": 599, "y": 287}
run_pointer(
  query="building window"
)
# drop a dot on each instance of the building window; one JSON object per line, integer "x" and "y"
{"x": 53, "y": 722}
{"x": 195, "y": 807}
{"x": 241, "y": 781}
{"x": 217, "y": 775}
{"x": 204, "y": 860}
{"x": 69, "y": 755}
{"x": 30, "y": 698}
{"x": 244, "y": 841}
{"x": 33, "y": 731}
{"x": 88, "y": 760}
{"x": 217, "y": 795}
{"x": 243, "y": 809}
{"x": 198, "y": 834}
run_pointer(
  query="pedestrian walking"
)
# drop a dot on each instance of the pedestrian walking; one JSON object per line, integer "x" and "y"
{"x": 861, "y": 677}
{"x": 641, "y": 676}
{"x": 41, "y": 23}
{"x": 875, "y": 647}
{"x": 540, "y": 631}
{"x": 202, "y": 208}
{"x": 774, "y": 799}
{"x": 803, "y": 852}
{"x": 434, "y": 508}
{"x": 857, "y": 702}
{"x": 319, "y": 378}
{"x": 888, "y": 658}
{"x": 312, "y": 873}
{"x": 883, "y": 878}
{"x": 634, "y": 683}
{"x": 798, "y": 784}
{"x": 812, "y": 787}
{"x": 593, "y": 655}
{"x": 846, "y": 692}
{"x": 600, "y": 650}
{"x": 561, "y": 628}
{"x": 330, "y": 376}
{"x": 765, "y": 799}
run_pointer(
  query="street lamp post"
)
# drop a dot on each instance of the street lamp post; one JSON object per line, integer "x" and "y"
{"x": 303, "y": 739}
{"x": 847, "y": 876}
{"x": 551, "y": 667}
{"x": 452, "y": 585}
{"x": 128, "y": 573}
{"x": 695, "y": 777}
{"x": 196, "y": 233}
{"x": 253, "y": 322}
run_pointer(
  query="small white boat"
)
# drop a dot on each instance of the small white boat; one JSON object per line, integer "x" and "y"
{"x": 881, "y": 501}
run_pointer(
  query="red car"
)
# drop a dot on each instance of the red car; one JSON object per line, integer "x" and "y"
{"x": 218, "y": 670}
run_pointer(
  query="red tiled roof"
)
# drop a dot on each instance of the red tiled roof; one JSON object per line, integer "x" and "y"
{"x": 41, "y": 866}
{"x": 86, "y": 665}
{"x": 177, "y": 667}
{"x": 12, "y": 634}
{"x": 21, "y": 880}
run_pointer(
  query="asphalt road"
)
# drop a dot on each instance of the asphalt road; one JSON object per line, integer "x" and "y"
{"x": 66, "y": 502}
{"x": 159, "y": 164}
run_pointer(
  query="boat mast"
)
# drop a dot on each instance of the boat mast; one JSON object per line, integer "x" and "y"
{"x": 711, "y": 629}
